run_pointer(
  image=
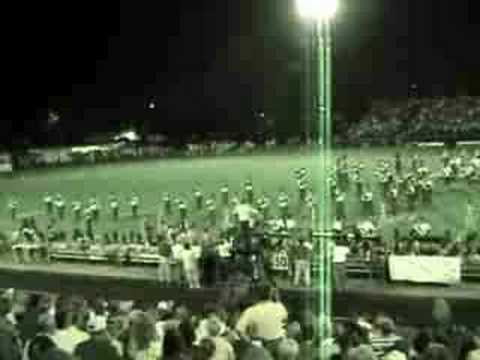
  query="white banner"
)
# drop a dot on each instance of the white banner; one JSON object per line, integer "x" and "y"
{"x": 425, "y": 269}
{"x": 340, "y": 254}
{"x": 5, "y": 163}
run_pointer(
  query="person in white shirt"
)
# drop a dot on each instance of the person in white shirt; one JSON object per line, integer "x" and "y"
{"x": 189, "y": 258}
{"x": 214, "y": 313}
{"x": 269, "y": 316}
{"x": 245, "y": 212}
{"x": 68, "y": 335}
{"x": 340, "y": 253}
{"x": 176, "y": 260}
{"x": 246, "y": 215}
{"x": 223, "y": 349}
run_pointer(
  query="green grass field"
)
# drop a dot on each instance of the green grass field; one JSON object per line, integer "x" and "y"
{"x": 150, "y": 179}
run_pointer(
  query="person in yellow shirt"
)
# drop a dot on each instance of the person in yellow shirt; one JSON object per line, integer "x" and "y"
{"x": 268, "y": 315}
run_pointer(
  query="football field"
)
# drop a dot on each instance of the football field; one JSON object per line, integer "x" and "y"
{"x": 270, "y": 173}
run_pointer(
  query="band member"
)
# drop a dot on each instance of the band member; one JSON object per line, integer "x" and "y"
{"x": 167, "y": 204}
{"x": 225, "y": 194}
{"x": 48, "y": 201}
{"x": 77, "y": 210}
{"x": 60, "y": 206}
{"x": 134, "y": 203}
{"x": 249, "y": 191}
{"x": 246, "y": 215}
{"x": 367, "y": 203}
{"x": 182, "y": 208}
{"x": 198, "y": 198}
{"x": 114, "y": 207}
{"x": 212, "y": 211}
{"x": 13, "y": 207}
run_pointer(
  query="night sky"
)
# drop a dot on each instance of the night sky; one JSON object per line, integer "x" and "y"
{"x": 209, "y": 64}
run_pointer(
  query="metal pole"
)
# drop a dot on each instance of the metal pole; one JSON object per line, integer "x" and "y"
{"x": 326, "y": 245}
{"x": 329, "y": 243}
{"x": 323, "y": 281}
{"x": 308, "y": 85}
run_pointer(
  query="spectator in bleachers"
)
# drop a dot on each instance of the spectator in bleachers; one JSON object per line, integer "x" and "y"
{"x": 474, "y": 352}
{"x": 383, "y": 336}
{"x": 205, "y": 350}
{"x": 223, "y": 349}
{"x": 29, "y": 326}
{"x": 288, "y": 349}
{"x": 270, "y": 317}
{"x": 68, "y": 335}
{"x": 99, "y": 346}
{"x": 247, "y": 347}
{"x": 212, "y": 312}
{"x": 141, "y": 331}
{"x": 421, "y": 342}
{"x": 10, "y": 345}
{"x": 442, "y": 314}
{"x": 399, "y": 351}
{"x": 117, "y": 325}
{"x": 174, "y": 347}
{"x": 42, "y": 348}
{"x": 361, "y": 352}
{"x": 414, "y": 119}
{"x": 437, "y": 352}
{"x": 143, "y": 342}
{"x": 354, "y": 342}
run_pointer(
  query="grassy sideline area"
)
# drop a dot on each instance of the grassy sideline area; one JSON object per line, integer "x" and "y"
{"x": 270, "y": 173}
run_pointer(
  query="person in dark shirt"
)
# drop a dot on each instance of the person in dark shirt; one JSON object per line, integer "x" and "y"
{"x": 205, "y": 350}
{"x": 99, "y": 346}
{"x": 29, "y": 326}
{"x": 174, "y": 347}
{"x": 56, "y": 354}
{"x": 9, "y": 342}
{"x": 43, "y": 348}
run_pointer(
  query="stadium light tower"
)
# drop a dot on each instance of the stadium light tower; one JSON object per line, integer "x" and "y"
{"x": 321, "y": 13}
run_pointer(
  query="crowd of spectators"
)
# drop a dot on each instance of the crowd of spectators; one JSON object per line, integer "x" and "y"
{"x": 124, "y": 151}
{"x": 419, "y": 119}
{"x": 255, "y": 326}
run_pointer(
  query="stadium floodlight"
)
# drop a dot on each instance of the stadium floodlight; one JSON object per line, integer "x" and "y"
{"x": 317, "y": 9}
{"x": 321, "y": 12}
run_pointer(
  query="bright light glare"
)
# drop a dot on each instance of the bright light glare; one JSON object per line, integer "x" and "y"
{"x": 317, "y": 9}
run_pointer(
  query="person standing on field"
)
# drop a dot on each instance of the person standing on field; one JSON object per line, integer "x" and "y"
{"x": 302, "y": 263}
{"x": 48, "y": 201}
{"x": 249, "y": 192}
{"x": 114, "y": 207}
{"x": 13, "y": 207}
{"x": 60, "y": 205}
{"x": 164, "y": 266}
{"x": 189, "y": 258}
{"x": 198, "y": 198}
{"x": 167, "y": 203}
{"x": 225, "y": 194}
{"x": 77, "y": 210}
{"x": 134, "y": 203}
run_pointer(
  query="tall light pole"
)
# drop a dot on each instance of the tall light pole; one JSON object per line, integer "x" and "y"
{"x": 321, "y": 12}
